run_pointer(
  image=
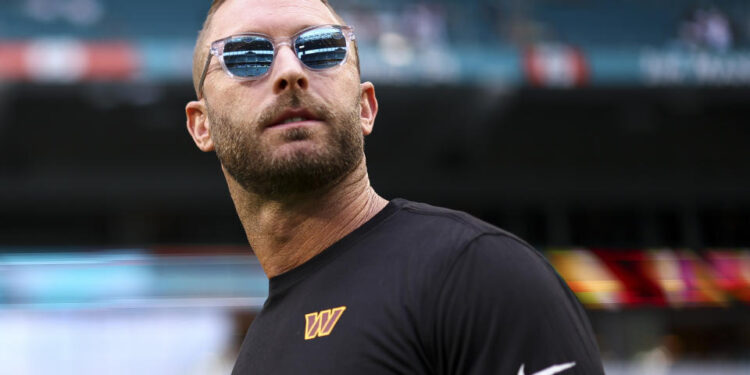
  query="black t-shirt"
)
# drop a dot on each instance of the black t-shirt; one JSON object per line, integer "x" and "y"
{"x": 421, "y": 290}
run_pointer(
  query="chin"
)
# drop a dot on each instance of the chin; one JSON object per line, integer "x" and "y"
{"x": 297, "y": 150}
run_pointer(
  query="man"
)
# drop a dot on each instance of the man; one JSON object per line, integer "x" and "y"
{"x": 358, "y": 285}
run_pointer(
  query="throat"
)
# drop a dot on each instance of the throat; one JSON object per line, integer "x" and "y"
{"x": 285, "y": 249}
{"x": 287, "y": 232}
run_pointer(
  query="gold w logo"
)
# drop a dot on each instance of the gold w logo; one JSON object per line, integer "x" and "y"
{"x": 320, "y": 324}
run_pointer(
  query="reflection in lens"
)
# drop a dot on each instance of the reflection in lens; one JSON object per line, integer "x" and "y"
{"x": 321, "y": 48}
{"x": 248, "y": 56}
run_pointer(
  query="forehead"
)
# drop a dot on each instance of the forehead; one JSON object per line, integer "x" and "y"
{"x": 272, "y": 17}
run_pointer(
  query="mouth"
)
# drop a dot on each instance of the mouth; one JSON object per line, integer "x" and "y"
{"x": 293, "y": 118}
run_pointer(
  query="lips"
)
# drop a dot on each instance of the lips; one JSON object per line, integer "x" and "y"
{"x": 291, "y": 116}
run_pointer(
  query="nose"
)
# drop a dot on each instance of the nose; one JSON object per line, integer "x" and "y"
{"x": 288, "y": 72}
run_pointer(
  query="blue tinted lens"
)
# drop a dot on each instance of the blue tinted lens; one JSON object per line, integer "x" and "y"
{"x": 321, "y": 48}
{"x": 248, "y": 56}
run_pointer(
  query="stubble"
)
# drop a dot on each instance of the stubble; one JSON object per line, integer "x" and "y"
{"x": 258, "y": 169}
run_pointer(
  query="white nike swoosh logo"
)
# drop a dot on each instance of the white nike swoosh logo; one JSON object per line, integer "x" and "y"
{"x": 550, "y": 370}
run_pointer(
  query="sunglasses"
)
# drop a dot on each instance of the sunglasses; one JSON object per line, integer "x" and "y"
{"x": 250, "y": 56}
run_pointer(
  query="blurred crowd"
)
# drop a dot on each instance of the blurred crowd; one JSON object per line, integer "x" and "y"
{"x": 707, "y": 29}
{"x": 717, "y": 26}
{"x": 75, "y": 12}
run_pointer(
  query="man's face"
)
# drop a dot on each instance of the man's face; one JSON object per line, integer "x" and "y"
{"x": 249, "y": 121}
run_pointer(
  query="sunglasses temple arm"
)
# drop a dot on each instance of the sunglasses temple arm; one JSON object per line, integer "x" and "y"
{"x": 203, "y": 76}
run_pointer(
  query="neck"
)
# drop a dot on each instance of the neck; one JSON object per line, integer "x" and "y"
{"x": 284, "y": 233}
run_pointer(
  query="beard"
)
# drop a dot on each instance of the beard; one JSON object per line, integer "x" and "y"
{"x": 254, "y": 165}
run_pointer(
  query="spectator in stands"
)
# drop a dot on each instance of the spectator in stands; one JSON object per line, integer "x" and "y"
{"x": 76, "y": 12}
{"x": 707, "y": 29}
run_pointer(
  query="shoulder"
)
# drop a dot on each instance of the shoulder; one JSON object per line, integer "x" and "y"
{"x": 462, "y": 224}
{"x": 509, "y": 265}
{"x": 440, "y": 241}
{"x": 465, "y": 247}
{"x": 479, "y": 290}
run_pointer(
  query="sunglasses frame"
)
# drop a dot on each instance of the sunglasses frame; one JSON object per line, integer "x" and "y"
{"x": 217, "y": 49}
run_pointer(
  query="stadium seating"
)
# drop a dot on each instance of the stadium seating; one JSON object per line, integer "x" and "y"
{"x": 627, "y": 23}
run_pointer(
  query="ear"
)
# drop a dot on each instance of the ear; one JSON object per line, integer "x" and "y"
{"x": 368, "y": 107}
{"x": 198, "y": 125}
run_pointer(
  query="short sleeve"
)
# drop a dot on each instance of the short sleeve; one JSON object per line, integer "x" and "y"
{"x": 502, "y": 307}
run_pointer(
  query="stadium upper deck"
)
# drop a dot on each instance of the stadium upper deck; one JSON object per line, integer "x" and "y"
{"x": 580, "y": 22}
{"x": 539, "y": 42}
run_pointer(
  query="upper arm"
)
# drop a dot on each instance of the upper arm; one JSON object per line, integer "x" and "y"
{"x": 500, "y": 306}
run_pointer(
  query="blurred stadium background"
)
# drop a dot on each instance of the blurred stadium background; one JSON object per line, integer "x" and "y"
{"x": 611, "y": 134}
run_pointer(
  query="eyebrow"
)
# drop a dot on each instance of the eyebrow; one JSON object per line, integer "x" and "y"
{"x": 241, "y": 32}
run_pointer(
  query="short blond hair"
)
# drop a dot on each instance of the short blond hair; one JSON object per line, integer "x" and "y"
{"x": 200, "y": 53}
